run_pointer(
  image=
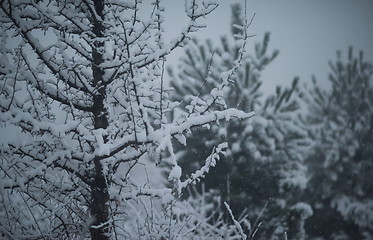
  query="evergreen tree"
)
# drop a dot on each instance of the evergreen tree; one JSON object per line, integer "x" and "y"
{"x": 341, "y": 123}
{"x": 264, "y": 165}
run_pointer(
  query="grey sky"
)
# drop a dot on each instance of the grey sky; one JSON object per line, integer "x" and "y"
{"x": 307, "y": 33}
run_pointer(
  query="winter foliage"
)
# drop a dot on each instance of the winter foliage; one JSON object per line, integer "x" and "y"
{"x": 341, "y": 124}
{"x": 109, "y": 142}
{"x": 263, "y": 171}
{"x": 302, "y": 164}
{"x": 82, "y": 83}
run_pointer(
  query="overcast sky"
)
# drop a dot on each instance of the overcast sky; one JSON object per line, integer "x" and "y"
{"x": 307, "y": 33}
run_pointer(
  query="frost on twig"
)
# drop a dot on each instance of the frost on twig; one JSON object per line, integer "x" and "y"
{"x": 237, "y": 224}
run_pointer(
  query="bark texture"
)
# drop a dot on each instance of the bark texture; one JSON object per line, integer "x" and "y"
{"x": 99, "y": 190}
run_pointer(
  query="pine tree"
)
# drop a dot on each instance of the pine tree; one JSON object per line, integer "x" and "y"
{"x": 264, "y": 165}
{"x": 340, "y": 122}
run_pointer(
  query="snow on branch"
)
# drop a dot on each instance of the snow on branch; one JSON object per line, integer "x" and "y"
{"x": 237, "y": 224}
{"x": 89, "y": 105}
{"x": 209, "y": 162}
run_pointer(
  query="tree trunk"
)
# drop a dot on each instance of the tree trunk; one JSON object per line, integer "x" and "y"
{"x": 99, "y": 205}
{"x": 99, "y": 189}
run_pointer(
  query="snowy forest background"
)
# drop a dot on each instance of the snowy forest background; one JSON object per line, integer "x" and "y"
{"x": 111, "y": 141}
